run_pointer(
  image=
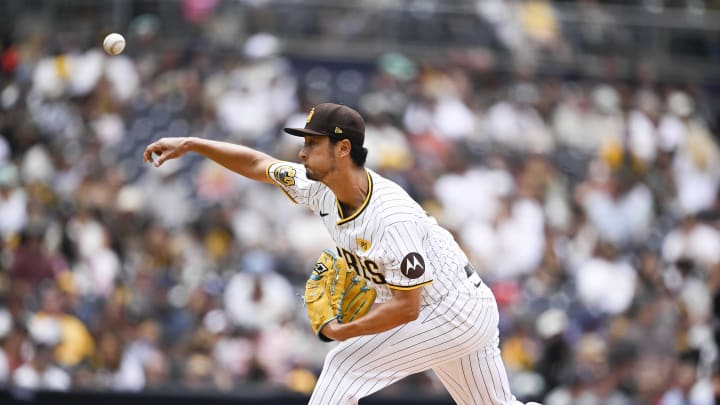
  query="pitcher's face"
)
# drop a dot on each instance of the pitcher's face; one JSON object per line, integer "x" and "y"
{"x": 317, "y": 155}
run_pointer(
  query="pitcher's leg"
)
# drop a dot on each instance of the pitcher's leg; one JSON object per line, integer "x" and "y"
{"x": 361, "y": 366}
{"x": 352, "y": 370}
{"x": 477, "y": 378}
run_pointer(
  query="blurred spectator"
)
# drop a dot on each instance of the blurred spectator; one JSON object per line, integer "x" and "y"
{"x": 115, "y": 368}
{"x": 74, "y": 343}
{"x": 692, "y": 243}
{"x": 391, "y": 150}
{"x": 515, "y": 123}
{"x": 513, "y": 243}
{"x": 540, "y": 24}
{"x": 168, "y": 189}
{"x": 31, "y": 263}
{"x": 643, "y": 132}
{"x": 258, "y": 298}
{"x": 6, "y": 330}
{"x": 40, "y": 371}
{"x": 607, "y": 122}
{"x": 13, "y": 201}
{"x": 258, "y": 92}
{"x": 490, "y": 184}
{"x": 502, "y": 15}
{"x": 598, "y": 33}
{"x": 441, "y": 110}
{"x": 570, "y": 120}
{"x": 673, "y": 125}
{"x": 687, "y": 388}
{"x": 619, "y": 206}
{"x": 145, "y": 351}
{"x": 604, "y": 269}
{"x": 157, "y": 372}
{"x": 695, "y": 168}
{"x": 196, "y": 372}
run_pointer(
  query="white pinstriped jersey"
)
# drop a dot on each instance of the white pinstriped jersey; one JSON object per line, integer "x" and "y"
{"x": 394, "y": 244}
{"x": 389, "y": 240}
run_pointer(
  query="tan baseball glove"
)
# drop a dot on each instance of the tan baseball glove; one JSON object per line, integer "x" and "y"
{"x": 335, "y": 292}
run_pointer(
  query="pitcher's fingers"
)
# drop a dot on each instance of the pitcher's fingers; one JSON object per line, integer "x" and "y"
{"x": 162, "y": 157}
{"x": 152, "y": 148}
{"x": 147, "y": 155}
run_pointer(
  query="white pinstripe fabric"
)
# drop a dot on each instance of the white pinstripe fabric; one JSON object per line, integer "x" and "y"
{"x": 394, "y": 225}
{"x": 456, "y": 333}
{"x": 458, "y": 342}
{"x": 467, "y": 386}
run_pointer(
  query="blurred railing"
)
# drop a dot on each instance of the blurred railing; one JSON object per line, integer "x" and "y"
{"x": 673, "y": 43}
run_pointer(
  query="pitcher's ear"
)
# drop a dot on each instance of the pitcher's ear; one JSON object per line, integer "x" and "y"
{"x": 344, "y": 147}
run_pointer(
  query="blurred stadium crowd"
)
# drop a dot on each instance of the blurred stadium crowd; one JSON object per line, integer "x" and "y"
{"x": 590, "y": 205}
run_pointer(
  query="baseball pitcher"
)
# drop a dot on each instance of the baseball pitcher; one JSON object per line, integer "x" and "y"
{"x": 431, "y": 309}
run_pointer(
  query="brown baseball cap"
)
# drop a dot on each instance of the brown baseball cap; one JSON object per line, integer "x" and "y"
{"x": 334, "y": 120}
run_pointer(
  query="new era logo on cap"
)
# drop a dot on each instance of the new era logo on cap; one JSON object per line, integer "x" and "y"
{"x": 335, "y": 120}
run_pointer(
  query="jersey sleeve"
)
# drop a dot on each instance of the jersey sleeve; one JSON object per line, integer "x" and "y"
{"x": 292, "y": 180}
{"x": 406, "y": 260}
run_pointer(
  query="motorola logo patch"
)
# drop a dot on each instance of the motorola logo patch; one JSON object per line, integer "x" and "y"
{"x": 413, "y": 265}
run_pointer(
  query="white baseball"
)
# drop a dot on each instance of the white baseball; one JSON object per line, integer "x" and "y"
{"x": 114, "y": 44}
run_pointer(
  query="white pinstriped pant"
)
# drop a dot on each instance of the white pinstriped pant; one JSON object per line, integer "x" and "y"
{"x": 457, "y": 339}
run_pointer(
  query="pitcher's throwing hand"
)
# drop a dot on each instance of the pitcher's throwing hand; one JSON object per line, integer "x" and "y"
{"x": 165, "y": 149}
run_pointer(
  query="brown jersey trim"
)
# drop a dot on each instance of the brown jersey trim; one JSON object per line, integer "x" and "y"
{"x": 362, "y": 207}
{"x": 408, "y": 287}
